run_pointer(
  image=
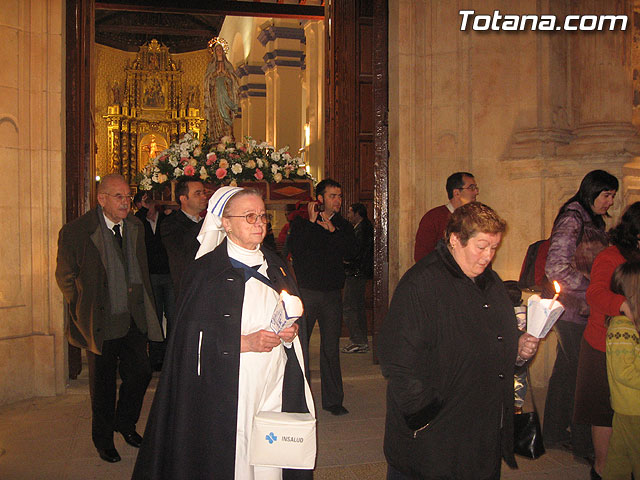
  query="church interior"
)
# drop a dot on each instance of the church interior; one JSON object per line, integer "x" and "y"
{"x": 389, "y": 97}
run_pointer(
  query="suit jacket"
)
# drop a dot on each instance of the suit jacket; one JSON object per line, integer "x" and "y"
{"x": 82, "y": 277}
{"x": 191, "y": 431}
{"x": 179, "y": 236}
{"x": 156, "y": 253}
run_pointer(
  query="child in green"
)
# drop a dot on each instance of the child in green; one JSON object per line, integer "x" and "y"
{"x": 623, "y": 371}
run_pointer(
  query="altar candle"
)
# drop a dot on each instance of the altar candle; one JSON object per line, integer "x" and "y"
{"x": 556, "y": 285}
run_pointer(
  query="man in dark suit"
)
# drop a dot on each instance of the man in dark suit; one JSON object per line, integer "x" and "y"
{"x": 103, "y": 274}
{"x": 161, "y": 283}
{"x": 179, "y": 230}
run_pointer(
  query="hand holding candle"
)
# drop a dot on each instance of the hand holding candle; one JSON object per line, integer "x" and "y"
{"x": 288, "y": 310}
{"x": 543, "y": 313}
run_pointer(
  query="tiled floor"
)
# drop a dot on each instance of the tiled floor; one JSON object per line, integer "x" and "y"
{"x": 50, "y": 438}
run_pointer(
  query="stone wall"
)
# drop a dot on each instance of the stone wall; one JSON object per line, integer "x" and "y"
{"x": 32, "y": 347}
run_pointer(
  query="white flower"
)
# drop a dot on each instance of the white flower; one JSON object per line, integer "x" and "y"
{"x": 275, "y": 156}
{"x": 173, "y": 161}
{"x": 277, "y": 177}
{"x": 236, "y": 168}
{"x": 154, "y": 177}
{"x": 251, "y": 164}
{"x": 197, "y": 151}
{"x": 203, "y": 173}
{"x": 253, "y": 143}
{"x": 239, "y": 145}
{"x": 287, "y": 157}
{"x": 225, "y": 139}
{"x": 220, "y": 147}
{"x": 178, "y": 172}
{"x": 233, "y": 183}
{"x": 274, "y": 168}
{"x": 260, "y": 162}
{"x": 145, "y": 184}
{"x": 301, "y": 171}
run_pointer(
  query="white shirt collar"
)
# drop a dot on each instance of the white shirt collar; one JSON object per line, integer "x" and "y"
{"x": 450, "y": 207}
{"x": 110, "y": 224}
{"x": 193, "y": 217}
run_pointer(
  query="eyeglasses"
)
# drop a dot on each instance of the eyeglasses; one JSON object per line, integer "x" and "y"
{"x": 119, "y": 196}
{"x": 473, "y": 187}
{"x": 252, "y": 218}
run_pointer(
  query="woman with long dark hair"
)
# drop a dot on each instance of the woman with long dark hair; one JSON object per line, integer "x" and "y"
{"x": 593, "y": 405}
{"x": 578, "y": 236}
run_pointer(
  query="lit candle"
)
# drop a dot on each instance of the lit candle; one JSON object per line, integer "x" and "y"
{"x": 556, "y": 285}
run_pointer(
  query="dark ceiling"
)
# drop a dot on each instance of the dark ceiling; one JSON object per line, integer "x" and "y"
{"x": 183, "y": 26}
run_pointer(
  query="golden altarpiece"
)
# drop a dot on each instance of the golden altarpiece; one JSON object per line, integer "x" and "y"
{"x": 150, "y": 112}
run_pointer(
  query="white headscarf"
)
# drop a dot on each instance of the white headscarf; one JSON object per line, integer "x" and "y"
{"x": 212, "y": 232}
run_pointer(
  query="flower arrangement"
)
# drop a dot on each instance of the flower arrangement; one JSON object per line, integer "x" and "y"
{"x": 221, "y": 163}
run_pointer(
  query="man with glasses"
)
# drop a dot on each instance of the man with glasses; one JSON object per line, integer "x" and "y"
{"x": 103, "y": 274}
{"x": 179, "y": 230}
{"x": 461, "y": 189}
{"x": 318, "y": 246}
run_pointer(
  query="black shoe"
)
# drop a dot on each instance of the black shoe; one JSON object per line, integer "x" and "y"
{"x": 594, "y": 474}
{"x": 132, "y": 438}
{"x": 109, "y": 455}
{"x": 337, "y": 410}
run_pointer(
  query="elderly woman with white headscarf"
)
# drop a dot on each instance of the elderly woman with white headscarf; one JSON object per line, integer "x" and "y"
{"x": 223, "y": 363}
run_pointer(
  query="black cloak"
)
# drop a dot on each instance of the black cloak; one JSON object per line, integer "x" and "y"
{"x": 191, "y": 430}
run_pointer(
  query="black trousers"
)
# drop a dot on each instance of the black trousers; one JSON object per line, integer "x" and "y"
{"x": 326, "y": 308}
{"x": 127, "y": 356}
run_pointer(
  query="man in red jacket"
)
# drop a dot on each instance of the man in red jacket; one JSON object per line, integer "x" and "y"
{"x": 461, "y": 189}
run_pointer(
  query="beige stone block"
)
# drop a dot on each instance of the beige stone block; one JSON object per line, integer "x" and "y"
{"x": 405, "y": 79}
{"x": 37, "y": 114}
{"x": 423, "y": 28}
{"x": 9, "y": 109}
{"x": 493, "y": 79}
{"x": 37, "y": 16}
{"x": 446, "y": 28}
{"x": 9, "y": 56}
{"x": 10, "y": 13}
{"x": 56, "y": 17}
{"x": 44, "y": 365}
{"x": 16, "y": 381}
{"x": 422, "y": 80}
{"x": 55, "y": 63}
{"x": 492, "y": 129}
{"x": 54, "y": 117}
{"x": 38, "y": 60}
{"x": 446, "y": 79}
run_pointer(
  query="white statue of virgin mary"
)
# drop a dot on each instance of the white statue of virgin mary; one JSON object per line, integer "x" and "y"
{"x": 220, "y": 91}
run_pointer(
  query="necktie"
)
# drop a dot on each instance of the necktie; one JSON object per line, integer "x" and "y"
{"x": 116, "y": 232}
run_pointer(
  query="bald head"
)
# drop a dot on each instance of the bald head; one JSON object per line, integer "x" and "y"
{"x": 114, "y": 196}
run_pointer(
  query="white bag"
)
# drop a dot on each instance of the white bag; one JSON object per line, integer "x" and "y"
{"x": 283, "y": 439}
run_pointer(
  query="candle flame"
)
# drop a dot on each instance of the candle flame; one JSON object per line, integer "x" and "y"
{"x": 556, "y": 285}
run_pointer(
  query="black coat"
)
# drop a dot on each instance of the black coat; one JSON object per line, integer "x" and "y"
{"x": 318, "y": 254}
{"x": 191, "y": 431}
{"x": 448, "y": 348}
{"x": 179, "y": 235}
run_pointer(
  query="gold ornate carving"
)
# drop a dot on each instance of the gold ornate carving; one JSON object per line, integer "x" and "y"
{"x": 150, "y": 107}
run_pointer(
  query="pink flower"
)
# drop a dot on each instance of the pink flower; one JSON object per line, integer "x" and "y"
{"x": 244, "y": 149}
{"x": 259, "y": 175}
{"x": 221, "y": 173}
{"x": 189, "y": 170}
{"x": 184, "y": 160}
{"x": 211, "y": 157}
{"x": 162, "y": 158}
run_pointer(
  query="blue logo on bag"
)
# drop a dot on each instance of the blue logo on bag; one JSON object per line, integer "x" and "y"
{"x": 271, "y": 438}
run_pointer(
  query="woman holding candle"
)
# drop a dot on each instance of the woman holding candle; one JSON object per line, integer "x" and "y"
{"x": 448, "y": 348}
{"x": 592, "y": 404}
{"x": 224, "y": 364}
{"x": 578, "y": 236}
